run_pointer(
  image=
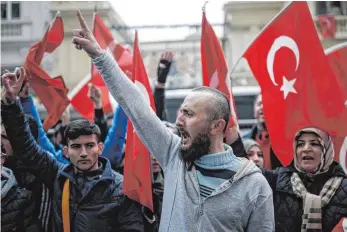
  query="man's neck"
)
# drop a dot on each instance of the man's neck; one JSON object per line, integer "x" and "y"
{"x": 216, "y": 147}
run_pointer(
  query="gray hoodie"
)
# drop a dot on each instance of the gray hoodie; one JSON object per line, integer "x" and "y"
{"x": 243, "y": 203}
{"x": 8, "y": 180}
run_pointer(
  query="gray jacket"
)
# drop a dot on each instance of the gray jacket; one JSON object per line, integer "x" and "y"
{"x": 243, "y": 203}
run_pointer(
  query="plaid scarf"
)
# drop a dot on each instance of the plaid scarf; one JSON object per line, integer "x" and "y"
{"x": 312, "y": 204}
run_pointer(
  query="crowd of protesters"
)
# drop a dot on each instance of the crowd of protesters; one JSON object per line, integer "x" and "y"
{"x": 70, "y": 178}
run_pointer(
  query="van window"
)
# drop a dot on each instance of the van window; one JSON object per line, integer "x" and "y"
{"x": 244, "y": 108}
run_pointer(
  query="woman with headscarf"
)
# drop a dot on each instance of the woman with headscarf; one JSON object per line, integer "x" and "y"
{"x": 311, "y": 193}
{"x": 254, "y": 152}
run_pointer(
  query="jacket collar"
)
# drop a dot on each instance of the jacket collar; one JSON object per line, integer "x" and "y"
{"x": 68, "y": 171}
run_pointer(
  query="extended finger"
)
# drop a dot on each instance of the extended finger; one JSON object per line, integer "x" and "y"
{"x": 83, "y": 23}
{"x": 21, "y": 78}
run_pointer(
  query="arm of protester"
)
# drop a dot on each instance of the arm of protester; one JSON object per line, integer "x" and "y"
{"x": 29, "y": 107}
{"x": 94, "y": 94}
{"x": 152, "y": 132}
{"x": 159, "y": 90}
{"x": 113, "y": 146}
{"x": 130, "y": 217}
{"x": 238, "y": 148}
{"x": 37, "y": 160}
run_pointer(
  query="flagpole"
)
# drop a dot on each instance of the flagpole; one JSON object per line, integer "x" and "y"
{"x": 204, "y": 7}
{"x": 335, "y": 47}
{"x": 273, "y": 19}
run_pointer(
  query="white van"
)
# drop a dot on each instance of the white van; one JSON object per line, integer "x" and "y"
{"x": 244, "y": 100}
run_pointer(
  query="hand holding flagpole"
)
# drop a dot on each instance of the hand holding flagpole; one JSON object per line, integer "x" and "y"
{"x": 84, "y": 39}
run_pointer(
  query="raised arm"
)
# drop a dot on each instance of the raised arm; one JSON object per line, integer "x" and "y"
{"x": 159, "y": 89}
{"x": 38, "y": 161}
{"x": 115, "y": 139}
{"x": 29, "y": 107}
{"x": 95, "y": 95}
{"x": 158, "y": 139}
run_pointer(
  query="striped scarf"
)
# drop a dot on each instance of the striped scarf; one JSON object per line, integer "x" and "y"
{"x": 312, "y": 204}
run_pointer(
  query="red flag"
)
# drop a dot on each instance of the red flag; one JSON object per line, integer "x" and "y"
{"x": 214, "y": 67}
{"x": 51, "y": 91}
{"x": 341, "y": 226}
{"x": 337, "y": 56}
{"x": 137, "y": 183}
{"x": 297, "y": 90}
{"x": 123, "y": 56}
{"x": 327, "y": 26}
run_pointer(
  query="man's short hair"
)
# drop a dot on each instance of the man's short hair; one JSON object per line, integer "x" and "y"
{"x": 34, "y": 128}
{"x": 221, "y": 109}
{"x": 79, "y": 128}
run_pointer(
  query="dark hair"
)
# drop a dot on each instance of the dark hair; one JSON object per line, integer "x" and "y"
{"x": 221, "y": 109}
{"x": 34, "y": 128}
{"x": 78, "y": 128}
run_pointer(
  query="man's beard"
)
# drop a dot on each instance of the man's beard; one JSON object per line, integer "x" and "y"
{"x": 200, "y": 147}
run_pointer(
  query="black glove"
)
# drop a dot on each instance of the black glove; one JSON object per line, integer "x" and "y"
{"x": 164, "y": 67}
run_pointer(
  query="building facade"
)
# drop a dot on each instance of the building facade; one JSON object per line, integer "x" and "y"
{"x": 73, "y": 64}
{"x": 22, "y": 24}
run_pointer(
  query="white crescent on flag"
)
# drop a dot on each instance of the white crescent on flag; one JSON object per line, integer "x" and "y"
{"x": 281, "y": 41}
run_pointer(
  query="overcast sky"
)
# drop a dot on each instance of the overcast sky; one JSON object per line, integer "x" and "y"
{"x": 168, "y": 12}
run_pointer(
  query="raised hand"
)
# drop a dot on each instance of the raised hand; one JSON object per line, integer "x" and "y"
{"x": 12, "y": 85}
{"x": 94, "y": 93}
{"x": 84, "y": 39}
{"x": 66, "y": 117}
{"x": 164, "y": 66}
{"x": 24, "y": 92}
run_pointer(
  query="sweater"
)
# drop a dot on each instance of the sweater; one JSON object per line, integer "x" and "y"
{"x": 242, "y": 203}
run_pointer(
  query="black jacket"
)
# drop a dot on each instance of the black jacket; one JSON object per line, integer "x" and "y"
{"x": 289, "y": 208}
{"x": 17, "y": 207}
{"x": 102, "y": 208}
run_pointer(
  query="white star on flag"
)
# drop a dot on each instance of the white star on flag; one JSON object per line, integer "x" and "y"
{"x": 288, "y": 86}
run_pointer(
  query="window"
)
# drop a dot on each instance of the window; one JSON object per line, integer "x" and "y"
{"x": 321, "y": 8}
{"x": 15, "y": 10}
{"x": 3, "y": 10}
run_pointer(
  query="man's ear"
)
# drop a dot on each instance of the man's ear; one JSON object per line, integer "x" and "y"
{"x": 101, "y": 148}
{"x": 66, "y": 151}
{"x": 217, "y": 126}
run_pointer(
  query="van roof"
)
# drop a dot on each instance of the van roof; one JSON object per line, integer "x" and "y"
{"x": 237, "y": 91}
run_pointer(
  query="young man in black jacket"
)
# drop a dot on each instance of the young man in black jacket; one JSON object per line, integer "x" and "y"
{"x": 88, "y": 187}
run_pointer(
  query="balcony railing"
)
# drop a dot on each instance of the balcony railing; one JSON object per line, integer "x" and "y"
{"x": 341, "y": 26}
{"x": 11, "y": 30}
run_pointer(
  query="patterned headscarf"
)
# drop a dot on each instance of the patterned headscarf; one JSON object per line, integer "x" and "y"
{"x": 327, "y": 156}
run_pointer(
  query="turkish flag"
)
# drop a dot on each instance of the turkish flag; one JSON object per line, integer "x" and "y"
{"x": 214, "y": 67}
{"x": 341, "y": 226}
{"x": 79, "y": 96}
{"x": 137, "y": 184}
{"x": 327, "y": 26}
{"x": 296, "y": 81}
{"x": 337, "y": 56}
{"x": 51, "y": 91}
